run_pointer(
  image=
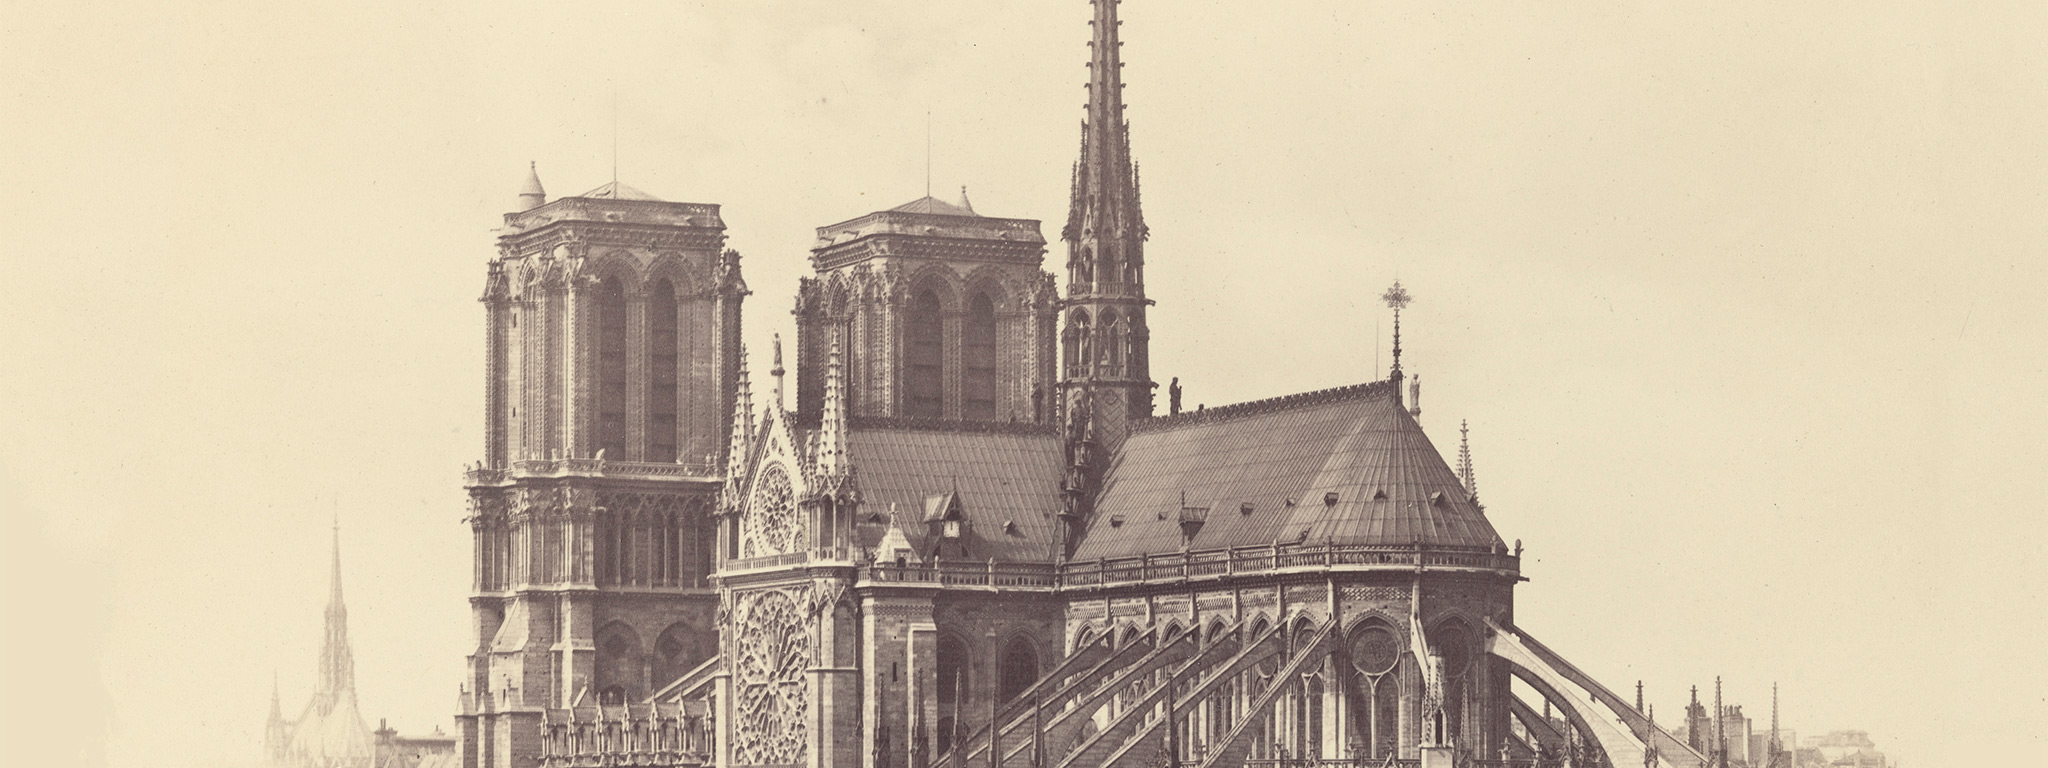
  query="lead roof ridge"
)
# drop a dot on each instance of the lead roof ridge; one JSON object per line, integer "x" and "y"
{"x": 1361, "y": 391}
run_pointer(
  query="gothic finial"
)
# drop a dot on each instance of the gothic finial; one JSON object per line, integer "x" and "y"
{"x": 832, "y": 425}
{"x": 777, "y": 371}
{"x": 964, "y": 203}
{"x": 1397, "y": 298}
{"x": 742, "y": 423}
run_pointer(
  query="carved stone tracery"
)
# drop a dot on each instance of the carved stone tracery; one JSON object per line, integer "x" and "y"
{"x": 771, "y": 652}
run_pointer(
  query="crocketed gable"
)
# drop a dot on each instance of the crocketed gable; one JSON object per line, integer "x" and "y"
{"x": 1262, "y": 473}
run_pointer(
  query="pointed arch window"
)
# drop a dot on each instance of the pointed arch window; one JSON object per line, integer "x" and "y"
{"x": 662, "y": 373}
{"x": 924, "y": 378}
{"x": 1077, "y": 343}
{"x": 1112, "y": 354}
{"x": 1020, "y": 668}
{"x": 611, "y": 368}
{"x": 978, "y": 360}
{"x": 1374, "y": 651}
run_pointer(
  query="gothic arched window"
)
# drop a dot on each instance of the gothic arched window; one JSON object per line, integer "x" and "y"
{"x": 978, "y": 360}
{"x": 924, "y": 380}
{"x": 618, "y": 661}
{"x": 1374, "y": 651}
{"x": 611, "y": 368}
{"x": 1456, "y": 643}
{"x": 1077, "y": 343}
{"x": 1020, "y": 668}
{"x": 1112, "y": 344}
{"x": 661, "y": 372}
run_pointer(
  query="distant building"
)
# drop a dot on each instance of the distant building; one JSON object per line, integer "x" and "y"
{"x": 329, "y": 732}
{"x": 435, "y": 750}
{"x": 1846, "y": 749}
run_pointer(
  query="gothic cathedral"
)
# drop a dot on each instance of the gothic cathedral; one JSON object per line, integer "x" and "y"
{"x": 971, "y": 541}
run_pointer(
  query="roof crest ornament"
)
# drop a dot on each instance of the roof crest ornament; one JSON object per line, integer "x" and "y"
{"x": 1396, "y": 298}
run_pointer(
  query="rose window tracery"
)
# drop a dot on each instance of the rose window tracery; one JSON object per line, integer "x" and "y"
{"x": 772, "y": 525}
{"x": 771, "y": 654}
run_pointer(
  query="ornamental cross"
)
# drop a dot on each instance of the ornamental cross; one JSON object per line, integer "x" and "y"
{"x": 1396, "y": 297}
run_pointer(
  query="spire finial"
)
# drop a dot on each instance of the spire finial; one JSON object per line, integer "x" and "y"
{"x": 832, "y": 424}
{"x": 742, "y": 425}
{"x": 777, "y": 370}
{"x": 1397, "y": 298}
{"x": 1465, "y": 472}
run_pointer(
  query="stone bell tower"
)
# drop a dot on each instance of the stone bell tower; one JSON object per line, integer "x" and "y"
{"x": 612, "y": 332}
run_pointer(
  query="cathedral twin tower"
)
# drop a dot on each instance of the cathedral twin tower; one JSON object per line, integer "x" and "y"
{"x": 616, "y": 392}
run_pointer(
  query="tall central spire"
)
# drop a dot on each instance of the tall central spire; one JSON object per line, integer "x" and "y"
{"x": 1105, "y": 198}
{"x": 337, "y": 660}
{"x": 1105, "y": 354}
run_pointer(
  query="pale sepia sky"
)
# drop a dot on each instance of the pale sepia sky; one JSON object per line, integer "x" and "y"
{"x": 1744, "y": 301}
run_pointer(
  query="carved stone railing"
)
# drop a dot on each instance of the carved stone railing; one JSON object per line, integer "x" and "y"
{"x": 1108, "y": 290}
{"x": 1177, "y": 566}
{"x": 657, "y": 735}
{"x": 1252, "y": 560}
{"x": 766, "y": 561}
{"x": 627, "y": 470}
{"x": 960, "y": 574}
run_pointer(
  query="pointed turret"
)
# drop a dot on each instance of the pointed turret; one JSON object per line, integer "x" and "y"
{"x": 1106, "y": 342}
{"x": 531, "y": 194}
{"x": 832, "y": 426}
{"x": 742, "y": 426}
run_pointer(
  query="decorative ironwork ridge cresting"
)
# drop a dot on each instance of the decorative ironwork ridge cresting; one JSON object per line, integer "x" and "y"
{"x": 1363, "y": 391}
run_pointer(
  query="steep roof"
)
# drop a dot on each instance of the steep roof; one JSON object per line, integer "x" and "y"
{"x": 1003, "y": 474}
{"x": 1282, "y": 457}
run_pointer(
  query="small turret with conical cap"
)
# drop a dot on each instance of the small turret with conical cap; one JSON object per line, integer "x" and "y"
{"x": 531, "y": 194}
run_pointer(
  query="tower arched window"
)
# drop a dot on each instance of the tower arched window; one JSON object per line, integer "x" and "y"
{"x": 1076, "y": 342}
{"x": 662, "y": 373}
{"x": 1112, "y": 345}
{"x": 611, "y": 368}
{"x": 978, "y": 360}
{"x": 924, "y": 385}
